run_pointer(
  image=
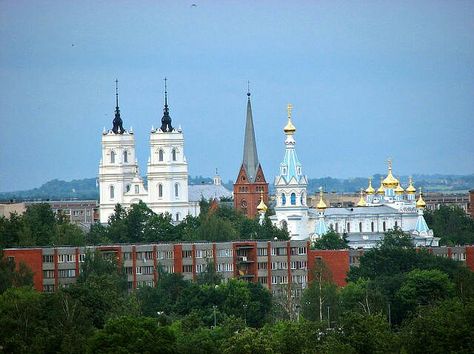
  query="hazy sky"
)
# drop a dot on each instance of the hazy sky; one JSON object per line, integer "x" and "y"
{"x": 368, "y": 80}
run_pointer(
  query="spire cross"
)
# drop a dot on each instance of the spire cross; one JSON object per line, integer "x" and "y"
{"x": 166, "y": 92}
{"x": 289, "y": 108}
{"x": 389, "y": 163}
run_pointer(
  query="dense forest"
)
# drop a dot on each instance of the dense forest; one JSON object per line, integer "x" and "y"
{"x": 87, "y": 188}
{"x": 399, "y": 300}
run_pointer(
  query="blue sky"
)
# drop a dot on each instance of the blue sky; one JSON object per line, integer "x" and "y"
{"x": 368, "y": 80}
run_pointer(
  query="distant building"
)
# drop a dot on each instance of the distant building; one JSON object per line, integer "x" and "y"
{"x": 11, "y": 208}
{"x": 435, "y": 200}
{"x": 250, "y": 184}
{"x": 167, "y": 176}
{"x": 470, "y": 207}
{"x": 79, "y": 212}
{"x": 281, "y": 266}
{"x": 208, "y": 191}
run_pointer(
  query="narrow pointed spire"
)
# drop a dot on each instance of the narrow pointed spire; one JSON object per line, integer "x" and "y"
{"x": 250, "y": 159}
{"x": 117, "y": 122}
{"x": 166, "y": 120}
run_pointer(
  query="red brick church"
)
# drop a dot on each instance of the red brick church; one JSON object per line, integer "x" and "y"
{"x": 250, "y": 184}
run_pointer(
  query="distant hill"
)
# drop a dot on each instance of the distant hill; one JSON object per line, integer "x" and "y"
{"x": 87, "y": 188}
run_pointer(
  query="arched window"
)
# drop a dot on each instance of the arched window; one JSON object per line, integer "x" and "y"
{"x": 125, "y": 156}
{"x": 360, "y": 227}
{"x": 177, "y": 216}
{"x": 396, "y": 224}
{"x": 384, "y": 226}
{"x": 112, "y": 156}
{"x": 337, "y": 227}
{"x": 293, "y": 199}
{"x": 160, "y": 155}
{"x": 348, "y": 227}
{"x": 283, "y": 199}
{"x": 176, "y": 190}
{"x": 137, "y": 189}
{"x": 173, "y": 154}
{"x": 112, "y": 192}
{"x": 372, "y": 226}
{"x": 127, "y": 188}
{"x": 160, "y": 190}
{"x": 284, "y": 225}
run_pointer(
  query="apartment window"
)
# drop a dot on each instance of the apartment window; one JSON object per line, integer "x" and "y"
{"x": 66, "y": 258}
{"x": 275, "y": 279}
{"x": 82, "y": 257}
{"x": 301, "y": 250}
{"x": 200, "y": 268}
{"x": 48, "y": 288}
{"x": 227, "y": 252}
{"x": 187, "y": 268}
{"x": 48, "y": 274}
{"x": 139, "y": 256}
{"x": 262, "y": 280}
{"x": 48, "y": 258}
{"x": 187, "y": 254}
{"x": 147, "y": 270}
{"x": 284, "y": 279}
{"x": 165, "y": 254}
{"x": 127, "y": 256}
{"x": 279, "y": 251}
{"x": 462, "y": 256}
{"x": 262, "y": 251}
{"x": 262, "y": 265}
{"x": 148, "y": 255}
{"x": 138, "y": 270}
{"x": 128, "y": 270}
{"x": 225, "y": 267}
{"x": 204, "y": 254}
{"x": 67, "y": 273}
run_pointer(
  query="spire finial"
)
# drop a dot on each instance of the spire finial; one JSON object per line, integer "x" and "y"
{"x": 289, "y": 107}
{"x": 116, "y": 94}
{"x": 389, "y": 163}
{"x": 248, "y": 89}
{"x": 166, "y": 93}
{"x": 166, "y": 120}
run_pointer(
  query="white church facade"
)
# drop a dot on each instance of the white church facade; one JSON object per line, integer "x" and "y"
{"x": 388, "y": 208}
{"x": 167, "y": 175}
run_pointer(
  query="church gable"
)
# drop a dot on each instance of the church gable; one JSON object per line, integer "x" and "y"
{"x": 242, "y": 177}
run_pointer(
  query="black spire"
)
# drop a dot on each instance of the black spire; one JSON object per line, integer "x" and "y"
{"x": 166, "y": 120}
{"x": 250, "y": 159}
{"x": 117, "y": 128}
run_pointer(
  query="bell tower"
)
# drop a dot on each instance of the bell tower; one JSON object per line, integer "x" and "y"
{"x": 250, "y": 187}
{"x": 118, "y": 164}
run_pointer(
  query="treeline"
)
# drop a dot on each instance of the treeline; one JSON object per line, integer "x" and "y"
{"x": 39, "y": 226}
{"x": 399, "y": 300}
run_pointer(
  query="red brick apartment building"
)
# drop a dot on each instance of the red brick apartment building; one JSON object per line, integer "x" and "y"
{"x": 280, "y": 266}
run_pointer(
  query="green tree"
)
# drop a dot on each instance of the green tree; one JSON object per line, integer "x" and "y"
{"x": 396, "y": 238}
{"x": 247, "y": 341}
{"x": 447, "y": 328}
{"x": 127, "y": 334}
{"x": 362, "y": 296}
{"x": 10, "y": 276}
{"x": 331, "y": 241}
{"x": 451, "y": 224}
{"x": 10, "y": 230}
{"x": 39, "y": 227}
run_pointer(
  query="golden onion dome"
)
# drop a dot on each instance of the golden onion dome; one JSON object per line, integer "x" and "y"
{"x": 261, "y": 207}
{"x": 420, "y": 203}
{"x": 289, "y": 127}
{"x": 370, "y": 189}
{"x": 399, "y": 190}
{"x": 381, "y": 189}
{"x": 411, "y": 189}
{"x": 390, "y": 181}
{"x": 361, "y": 202}
{"x": 321, "y": 204}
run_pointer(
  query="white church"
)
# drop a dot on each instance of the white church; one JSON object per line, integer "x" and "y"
{"x": 167, "y": 175}
{"x": 389, "y": 207}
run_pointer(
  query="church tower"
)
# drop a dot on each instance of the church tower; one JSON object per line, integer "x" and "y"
{"x": 250, "y": 183}
{"x": 290, "y": 185}
{"x": 117, "y": 166}
{"x": 168, "y": 169}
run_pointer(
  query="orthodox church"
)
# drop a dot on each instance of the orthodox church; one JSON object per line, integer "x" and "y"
{"x": 388, "y": 207}
{"x": 167, "y": 176}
